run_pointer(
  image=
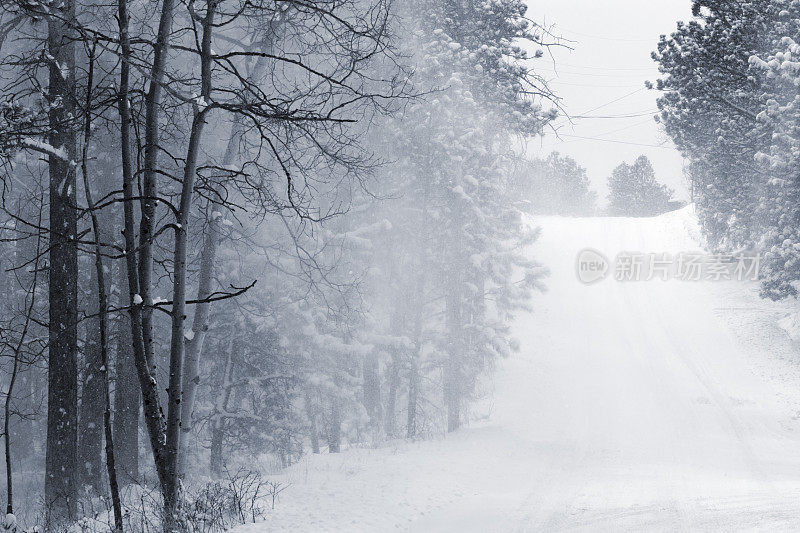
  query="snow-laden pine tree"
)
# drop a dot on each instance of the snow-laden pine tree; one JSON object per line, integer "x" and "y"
{"x": 779, "y": 124}
{"x": 711, "y": 97}
{"x": 730, "y": 78}
{"x": 634, "y": 191}
{"x": 465, "y": 270}
{"x": 556, "y": 184}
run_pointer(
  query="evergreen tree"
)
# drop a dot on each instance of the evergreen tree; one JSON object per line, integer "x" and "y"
{"x": 556, "y": 185}
{"x": 730, "y": 81}
{"x": 634, "y": 191}
{"x": 711, "y": 98}
{"x": 453, "y": 174}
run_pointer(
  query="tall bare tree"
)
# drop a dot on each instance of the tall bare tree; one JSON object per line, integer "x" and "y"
{"x": 62, "y": 398}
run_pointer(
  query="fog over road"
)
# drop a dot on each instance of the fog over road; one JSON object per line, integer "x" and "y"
{"x": 630, "y": 406}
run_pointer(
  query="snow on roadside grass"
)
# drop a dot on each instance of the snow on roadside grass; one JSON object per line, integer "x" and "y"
{"x": 393, "y": 487}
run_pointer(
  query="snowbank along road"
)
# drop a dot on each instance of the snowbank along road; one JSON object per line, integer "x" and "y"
{"x": 652, "y": 405}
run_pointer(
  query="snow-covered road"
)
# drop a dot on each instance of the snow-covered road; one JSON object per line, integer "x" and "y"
{"x": 631, "y": 406}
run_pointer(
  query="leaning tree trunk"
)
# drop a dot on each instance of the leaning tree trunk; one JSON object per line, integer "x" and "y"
{"x": 153, "y": 414}
{"x": 62, "y": 396}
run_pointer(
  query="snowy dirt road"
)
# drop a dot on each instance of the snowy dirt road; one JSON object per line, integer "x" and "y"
{"x": 631, "y": 406}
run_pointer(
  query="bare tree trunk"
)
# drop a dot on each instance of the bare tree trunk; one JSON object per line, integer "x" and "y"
{"x": 372, "y": 393}
{"x": 127, "y": 400}
{"x": 452, "y": 367}
{"x": 218, "y": 418}
{"x": 194, "y": 345}
{"x": 62, "y": 396}
{"x": 311, "y": 411}
{"x": 149, "y": 176}
{"x": 216, "y": 463}
{"x": 413, "y": 399}
{"x": 7, "y": 437}
{"x": 413, "y": 363}
{"x": 30, "y": 302}
{"x": 32, "y": 382}
{"x": 154, "y": 418}
{"x": 391, "y": 397}
{"x": 171, "y": 485}
{"x": 102, "y": 322}
{"x": 90, "y": 424}
{"x": 335, "y": 427}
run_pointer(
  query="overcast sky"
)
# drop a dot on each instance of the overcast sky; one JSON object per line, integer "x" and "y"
{"x": 603, "y": 76}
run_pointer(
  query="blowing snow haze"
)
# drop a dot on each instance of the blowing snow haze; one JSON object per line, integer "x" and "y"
{"x": 367, "y": 266}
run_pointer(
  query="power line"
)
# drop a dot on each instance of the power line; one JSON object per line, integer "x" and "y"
{"x": 624, "y": 96}
{"x": 606, "y": 38}
{"x": 624, "y": 128}
{"x": 615, "y": 141}
{"x": 594, "y": 85}
{"x": 560, "y": 72}
{"x": 650, "y": 68}
{"x": 629, "y": 115}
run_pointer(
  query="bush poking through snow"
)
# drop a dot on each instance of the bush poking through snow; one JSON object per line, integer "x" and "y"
{"x": 237, "y": 499}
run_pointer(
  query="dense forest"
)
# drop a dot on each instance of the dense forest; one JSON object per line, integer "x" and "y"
{"x": 233, "y": 229}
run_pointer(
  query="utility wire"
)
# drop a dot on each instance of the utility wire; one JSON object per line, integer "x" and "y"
{"x": 560, "y": 72}
{"x": 650, "y": 68}
{"x": 593, "y": 85}
{"x": 624, "y": 96}
{"x": 630, "y": 115}
{"x": 605, "y": 38}
{"x": 624, "y": 128}
{"x": 615, "y": 141}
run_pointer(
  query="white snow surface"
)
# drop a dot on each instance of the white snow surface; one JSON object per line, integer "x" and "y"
{"x": 657, "y": 406}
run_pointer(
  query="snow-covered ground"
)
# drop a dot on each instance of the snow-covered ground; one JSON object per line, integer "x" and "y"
{"x": 657, "y": 405}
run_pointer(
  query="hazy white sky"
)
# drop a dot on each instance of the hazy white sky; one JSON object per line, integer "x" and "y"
{"x": 603, "y": 76}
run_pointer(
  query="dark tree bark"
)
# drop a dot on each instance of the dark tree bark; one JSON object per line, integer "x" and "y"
{"x": 62, "y": 397}
{"x": 153, "y": 415}
{"x": 127, "y": 401}
{"x": 90, "y": 426}
{"x": 30, "y": 302}
{"x": 102, "y": 318}
{"x": 216, "y": 461}
{"x": 32, "y": 383}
